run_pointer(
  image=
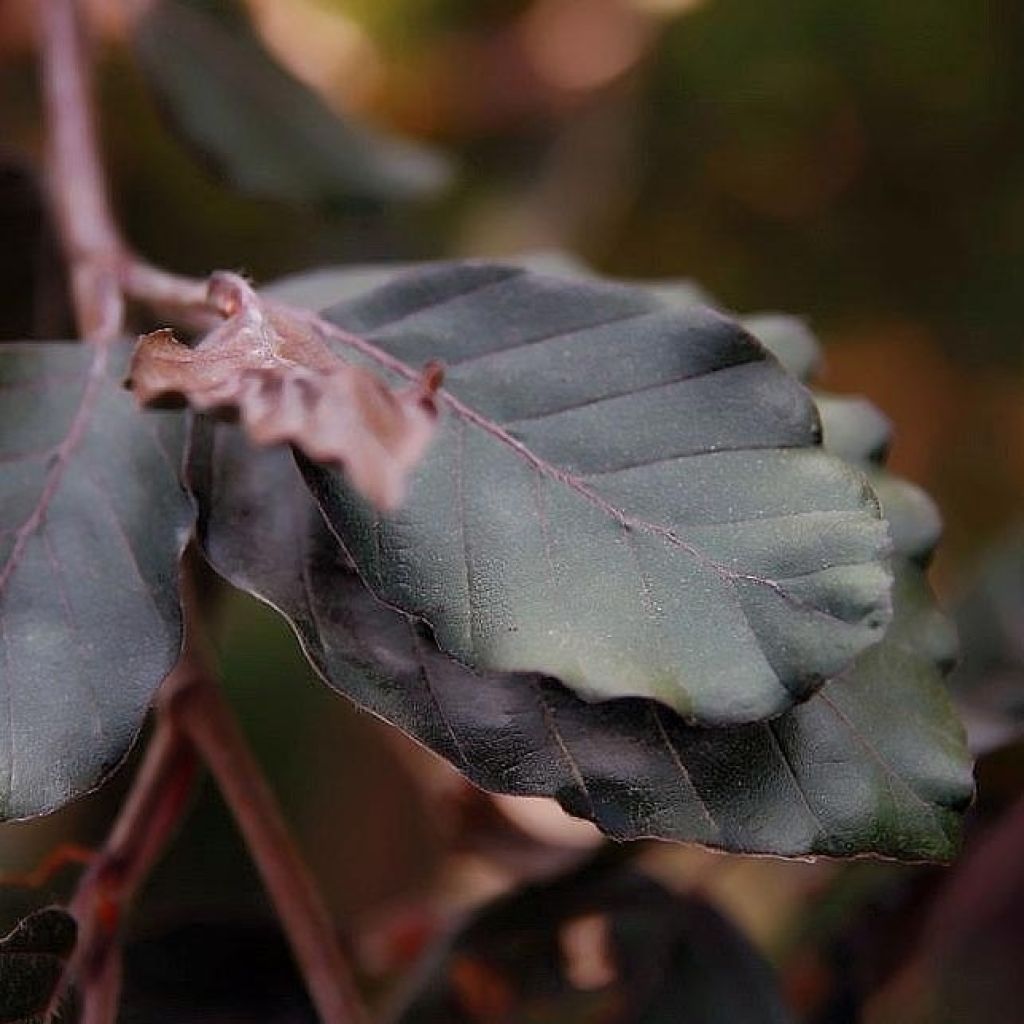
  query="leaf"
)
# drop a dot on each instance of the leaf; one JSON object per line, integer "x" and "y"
{"x": 93, "y": 521}
{"x": 271, "y": 135}
{"x": 874, "y": 763}
{"x": 327, "y": 286}
{"x": 625, "y": 497}
{"x": 882, "y": 768}
{"x": 287, "y": 386}
{"x": 789, "y": 339}
{"x": 989, "y": 681}
{"x": 854, "y": 429}
{"x": 32, "y": 959}
{"x": 600, "y": 945}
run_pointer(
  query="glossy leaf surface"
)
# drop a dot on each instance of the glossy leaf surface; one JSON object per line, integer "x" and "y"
{"x": 93, "y": 520}
{"x": 625, "y": 497}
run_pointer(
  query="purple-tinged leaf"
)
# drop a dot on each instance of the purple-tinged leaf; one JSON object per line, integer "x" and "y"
{"x": 93, "y": 520}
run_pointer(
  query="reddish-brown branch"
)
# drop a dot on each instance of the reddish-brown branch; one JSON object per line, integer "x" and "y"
{"x": 144, "y": 824}
{"x": 103, "y": 270}
{"x": 77, "y": 190}
{"x": 203, "y": 714}
{"x": 186, "y": 298}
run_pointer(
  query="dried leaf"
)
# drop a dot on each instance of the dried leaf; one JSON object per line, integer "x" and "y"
{"x": 278, "y": 376}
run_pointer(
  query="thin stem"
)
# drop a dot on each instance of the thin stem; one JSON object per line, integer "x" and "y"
{"x": 185, "y": 298}
{"x": 145, "y": 823}
{"x": 102, "y": 268}
{"x": 203, "y": 714}
{"x": 103, "y": 996}
{"x": 77, "y": 190}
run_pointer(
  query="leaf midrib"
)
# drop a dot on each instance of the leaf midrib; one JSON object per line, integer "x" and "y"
{"x": 61, "y": 454}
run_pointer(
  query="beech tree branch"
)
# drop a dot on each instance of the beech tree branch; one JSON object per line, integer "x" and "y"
{"x": 145, "y": 823}
{"x": 77, "y": 189}
{"x": 201, "y": 711}
{"x": 102, "y": 268}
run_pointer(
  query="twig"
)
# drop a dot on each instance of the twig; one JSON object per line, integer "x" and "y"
{"x": 144, "y": 824}
{"x": 101, "y": 1007}
{"x": 77, "y": 192}
{"x": 102, "y": 268}
{"x": 201, "y": 711}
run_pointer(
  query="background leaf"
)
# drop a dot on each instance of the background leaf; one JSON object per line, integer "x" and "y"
{"x": 269, "y": 133}
{"x": 989, "y": 681}
{"x": 32, "y": 959}
{"x": 93, "y": 521}
{"x": 601, "y": 945}
{"x": 626, "y": 497}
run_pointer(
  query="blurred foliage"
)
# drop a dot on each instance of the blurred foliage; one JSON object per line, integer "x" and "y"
{"x": 271, "y": 135}
{"x": 600, "y": 945}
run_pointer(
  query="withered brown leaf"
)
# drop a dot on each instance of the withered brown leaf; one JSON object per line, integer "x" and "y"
{"x": 277, "y": 376}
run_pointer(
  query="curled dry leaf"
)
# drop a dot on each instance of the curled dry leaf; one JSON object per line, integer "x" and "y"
{"x": 274, "y": 373}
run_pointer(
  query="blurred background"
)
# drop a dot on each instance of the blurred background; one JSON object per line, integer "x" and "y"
{"x": 858, "y": 164}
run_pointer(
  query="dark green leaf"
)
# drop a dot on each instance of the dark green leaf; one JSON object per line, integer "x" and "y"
{"x": 596, "y": 946}
{"x": 92, "y": 524}
{"x": 626, "y": 497}
{"x": 32, "y": 959}
{"x": 874, "y": 763}
{"x": 788, "y": 338}
{"x": 270, "y": 134}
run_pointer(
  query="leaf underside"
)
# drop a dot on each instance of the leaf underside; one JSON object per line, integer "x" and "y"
{"x": 625, "y": 497}
{"x": 93, "y": 520}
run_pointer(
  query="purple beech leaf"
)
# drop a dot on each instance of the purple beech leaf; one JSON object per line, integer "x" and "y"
{"x": 93, "y": 520}
{"x": 875, "y": 762}
{"x": 628, "y": 497}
